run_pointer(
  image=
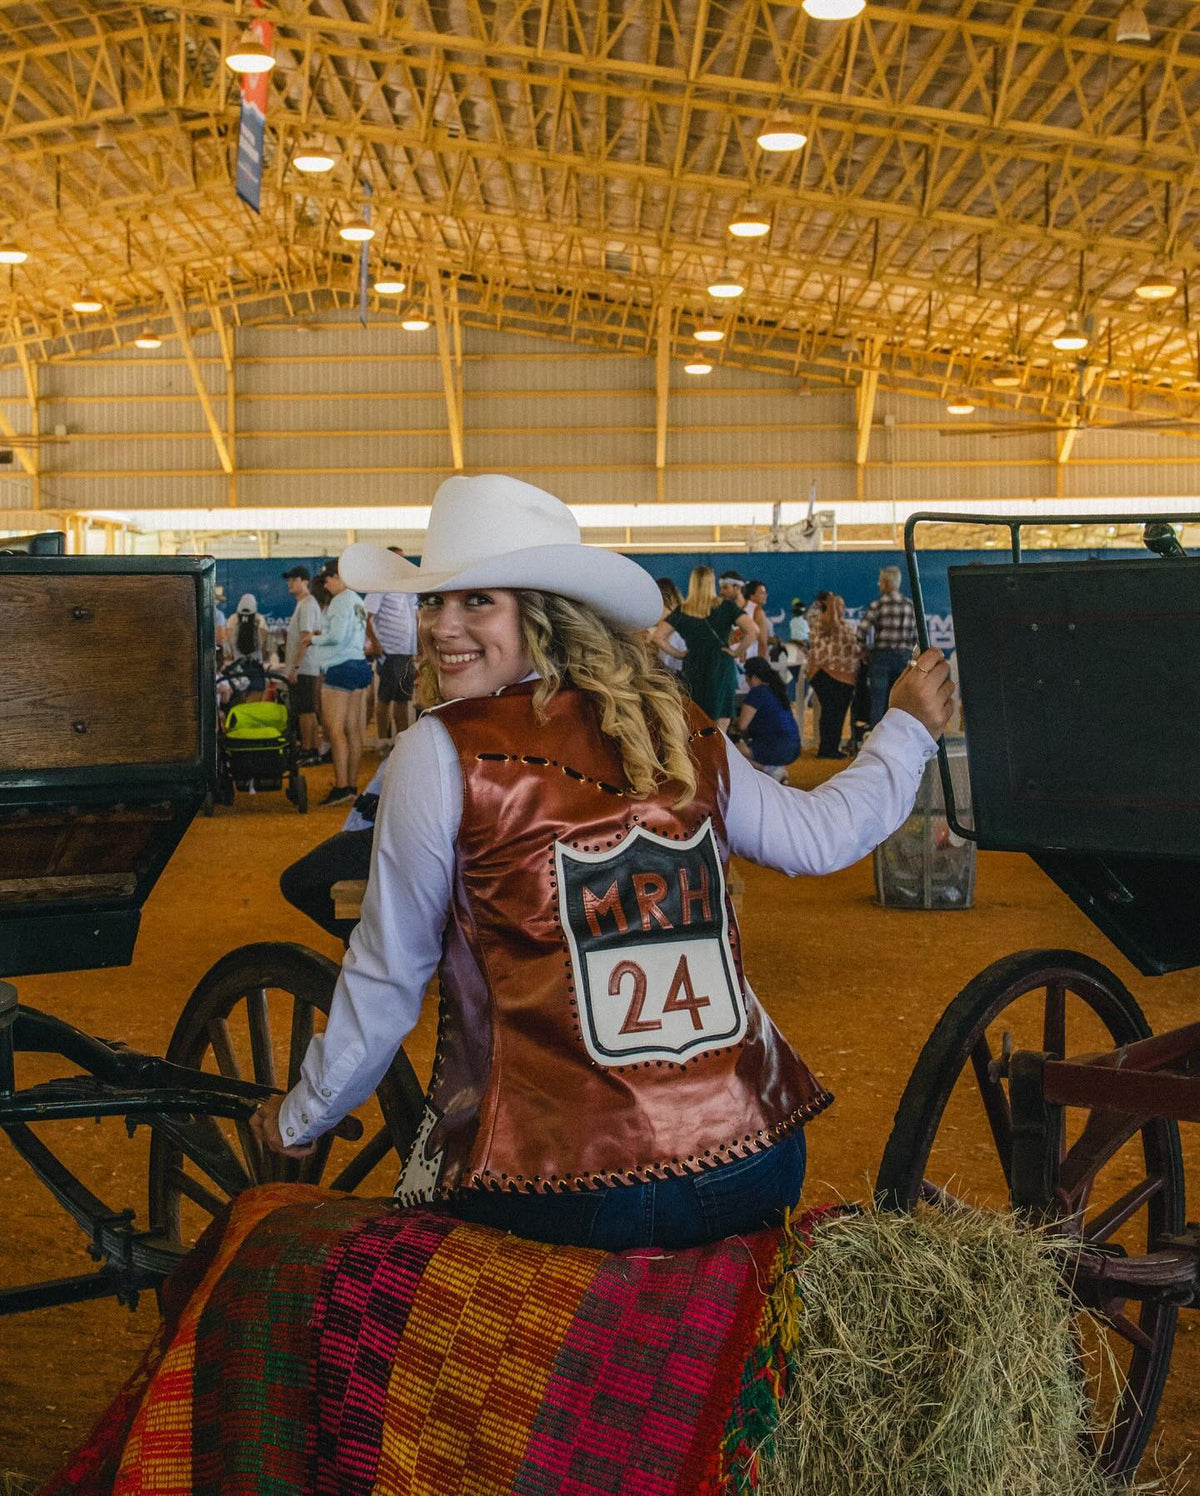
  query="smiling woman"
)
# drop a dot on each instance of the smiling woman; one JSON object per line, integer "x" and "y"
{"x": 553, "y": 837}
{"x": 470, "y": 643}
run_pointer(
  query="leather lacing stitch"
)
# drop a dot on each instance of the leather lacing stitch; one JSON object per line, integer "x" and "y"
{"x": 550, "y": 763}
{"x": 710, "y": 1158}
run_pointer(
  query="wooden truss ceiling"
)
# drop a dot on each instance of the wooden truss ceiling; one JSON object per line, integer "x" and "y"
{"x": 974, "y": 168}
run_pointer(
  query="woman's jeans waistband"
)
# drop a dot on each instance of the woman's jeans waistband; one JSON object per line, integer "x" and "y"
{"x": 746, "y": 1195}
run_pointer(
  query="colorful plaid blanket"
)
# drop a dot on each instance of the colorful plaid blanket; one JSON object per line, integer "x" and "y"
{"x": 321, "y": 1345}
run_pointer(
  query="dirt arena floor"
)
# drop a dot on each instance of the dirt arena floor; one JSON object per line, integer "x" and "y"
{"x": 856, "y": 987}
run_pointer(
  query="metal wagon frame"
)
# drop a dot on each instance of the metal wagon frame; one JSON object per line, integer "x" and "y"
{"x": 1134, "y": 1094}
{"x": 89, "y": 818}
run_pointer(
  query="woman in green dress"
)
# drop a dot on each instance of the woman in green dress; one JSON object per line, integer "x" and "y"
{"x": 705, "y": 623}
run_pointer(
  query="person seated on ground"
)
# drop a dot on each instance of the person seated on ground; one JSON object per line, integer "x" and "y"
{"x": 767, "y": 731}
{"x": 554, "y": 837}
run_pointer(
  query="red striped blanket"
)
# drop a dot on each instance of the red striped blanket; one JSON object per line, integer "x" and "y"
{"x": 315, "y": 1343}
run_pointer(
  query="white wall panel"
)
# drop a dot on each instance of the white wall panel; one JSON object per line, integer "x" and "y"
{"x": 300, "y": 488}
{"x": 569, "y": 449}
{"x": 138, "y": 493}
{"x": 348, "y": 454}
{"x": 510, "y": 412}
{"x": 1118, "y": 480}
{"x": 946, "y": 484}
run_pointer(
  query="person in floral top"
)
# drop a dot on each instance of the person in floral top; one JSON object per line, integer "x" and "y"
{"x": 834, "y": 656}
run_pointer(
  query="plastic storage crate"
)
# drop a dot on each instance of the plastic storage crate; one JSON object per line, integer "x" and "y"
{"x": 924, "y": 865}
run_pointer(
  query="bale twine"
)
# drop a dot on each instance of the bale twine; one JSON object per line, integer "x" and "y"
{"x": 934, "y": 1356}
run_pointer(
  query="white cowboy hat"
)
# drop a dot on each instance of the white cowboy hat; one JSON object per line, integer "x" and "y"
{"x": 499, "y": 532}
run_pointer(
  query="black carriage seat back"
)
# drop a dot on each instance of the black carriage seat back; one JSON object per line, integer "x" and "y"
{"x": 1081, "y": 701}
{"x": 107, "y": 746}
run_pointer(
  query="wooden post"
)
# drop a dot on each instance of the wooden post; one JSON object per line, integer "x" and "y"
{"x": 179, "y": 318}
{"x": 662, "y": 390}
{"x": 449, "y": 382}
{"x": 226, "y": 336}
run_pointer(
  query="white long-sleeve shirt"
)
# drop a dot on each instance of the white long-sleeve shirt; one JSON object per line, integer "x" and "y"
{"x": 397, "y": 944}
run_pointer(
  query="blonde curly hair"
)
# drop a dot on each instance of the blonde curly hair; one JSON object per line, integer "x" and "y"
{"x": 637, "y": 701}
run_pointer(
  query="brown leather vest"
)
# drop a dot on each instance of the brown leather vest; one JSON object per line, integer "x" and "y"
{"x": 595, "y": 1024}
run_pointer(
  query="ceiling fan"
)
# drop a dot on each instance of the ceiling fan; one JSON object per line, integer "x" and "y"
{"x": 1029, "y": 428}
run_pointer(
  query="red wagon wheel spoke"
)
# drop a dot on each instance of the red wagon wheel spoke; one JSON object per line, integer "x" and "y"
{"x": 259, "y": 1023}
{"x": 1054, "y": 1027}
{"x": 1111, "y": 1219}
{"x": 302, "y": 1032}
{"x": 995, "y": 1104}
{"x": 1127, "y": 1330}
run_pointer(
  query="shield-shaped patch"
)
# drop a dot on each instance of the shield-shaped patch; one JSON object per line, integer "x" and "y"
{"x": 649, "y": 939}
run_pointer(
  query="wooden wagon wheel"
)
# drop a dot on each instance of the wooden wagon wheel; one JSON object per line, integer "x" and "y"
{"x": 251, "y": 1018}
{"x": 951, "y": 1142}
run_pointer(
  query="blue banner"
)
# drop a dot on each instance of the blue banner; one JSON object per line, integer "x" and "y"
{"x": 252, "y": 124}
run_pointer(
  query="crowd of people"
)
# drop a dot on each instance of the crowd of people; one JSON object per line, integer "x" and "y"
{"x": 760, "y": 676}
{"x": 338, "y": 650}
{"x": 756, "y": 678}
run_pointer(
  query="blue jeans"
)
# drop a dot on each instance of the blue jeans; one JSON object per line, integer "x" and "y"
{"x": 736, "y": 1198}
{"x": 884, "y": 669}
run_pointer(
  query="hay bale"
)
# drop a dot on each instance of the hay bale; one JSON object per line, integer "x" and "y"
{"x": 934, "y": 1357}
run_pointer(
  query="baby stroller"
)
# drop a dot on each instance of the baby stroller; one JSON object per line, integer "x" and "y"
{"x": 259, "y": 746}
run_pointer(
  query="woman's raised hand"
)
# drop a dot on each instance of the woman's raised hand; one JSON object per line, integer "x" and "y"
{"x": 926, "y": 692}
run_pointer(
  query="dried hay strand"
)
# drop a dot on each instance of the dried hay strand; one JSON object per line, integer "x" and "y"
{"x": 14, "y": 1484}
{"x": 934, "y": 1357}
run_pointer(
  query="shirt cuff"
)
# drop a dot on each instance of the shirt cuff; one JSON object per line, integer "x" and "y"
{"x": 304, "y": 1110}
{"x": 900, "y": 732}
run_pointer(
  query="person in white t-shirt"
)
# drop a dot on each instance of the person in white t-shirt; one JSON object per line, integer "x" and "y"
{"x": 300, "y": 660}
{"x": 392, "y": 644}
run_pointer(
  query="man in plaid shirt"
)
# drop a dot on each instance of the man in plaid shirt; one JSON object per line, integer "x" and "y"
{"x": 893, "y": 622}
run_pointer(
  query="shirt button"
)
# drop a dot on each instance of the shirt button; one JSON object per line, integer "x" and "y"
{"x": 304, "y": 1119}
{"x": 325, "y": 1091}
{"x": 291, "y": 1132}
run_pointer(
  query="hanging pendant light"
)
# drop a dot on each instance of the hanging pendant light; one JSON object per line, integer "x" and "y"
{"x": 11, "y": 255}
{"x": 391, "y": 287}
{"x": 960, "y": 405}
{"x": 1007, "y": 377}
{"x": 249, "y": 56}
{"x": 697, "y": 368}
{"x": 147, "y": 339}
{"x": 1155, "y": 286}
{"x": 781, "y": 133}
{"x": 727, "y": 286}
{"x": 86, "y": 302}
{"x": 415, "y": 324}
{"x": 1072, "y": 338}
{"x": 357, "y": 230}
{"x": 313, "y": 158}
{"x": 750, "y": 223}
{"x": 833, "y": 10}
{"x": 708, "y": 332}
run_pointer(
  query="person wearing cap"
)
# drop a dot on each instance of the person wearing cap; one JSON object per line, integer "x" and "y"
{"x": 553, "y": 839}
{"x": 709, "y": 671}
{"x": 346, "y": 677}
{"x": 247, "y": 641}
{"x": 300, "y": 659}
